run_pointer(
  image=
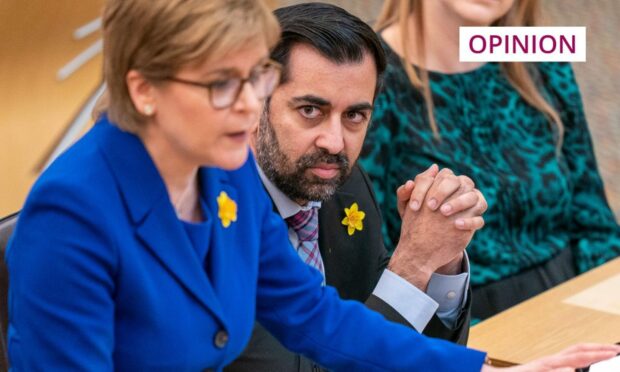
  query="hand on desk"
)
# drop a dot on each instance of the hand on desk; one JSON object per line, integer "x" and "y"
{"x": 567, "y": 360}
{"x": 440, "y": 213}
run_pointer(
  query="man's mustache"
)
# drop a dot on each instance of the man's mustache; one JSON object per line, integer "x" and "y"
{"x": 322, "y": 156}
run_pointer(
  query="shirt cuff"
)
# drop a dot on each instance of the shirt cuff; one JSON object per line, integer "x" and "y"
{"x": 410, "y": 302}
{"x": 450, "y": 293}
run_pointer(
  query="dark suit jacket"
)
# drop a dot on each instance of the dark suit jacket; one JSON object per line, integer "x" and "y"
{"x": 353, "y": 265}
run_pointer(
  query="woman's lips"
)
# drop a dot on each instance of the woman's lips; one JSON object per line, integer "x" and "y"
{"x": 239, "y": 136}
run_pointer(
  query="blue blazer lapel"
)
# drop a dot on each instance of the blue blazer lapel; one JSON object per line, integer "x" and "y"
{"x": 152, "y": 213}
{"x": 163, "y": 235}
{"x": 215, "y": 181}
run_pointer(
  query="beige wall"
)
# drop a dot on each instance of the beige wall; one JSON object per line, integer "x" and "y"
{"x": 36, "y": 41}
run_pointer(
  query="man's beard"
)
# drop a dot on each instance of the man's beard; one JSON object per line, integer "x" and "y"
{"x": 291, "y": 177}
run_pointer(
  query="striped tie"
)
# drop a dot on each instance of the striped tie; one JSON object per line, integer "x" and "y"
{"x": 306, "y": 225}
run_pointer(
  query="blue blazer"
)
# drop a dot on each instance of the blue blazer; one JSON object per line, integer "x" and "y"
{"x": 104, "y": 277}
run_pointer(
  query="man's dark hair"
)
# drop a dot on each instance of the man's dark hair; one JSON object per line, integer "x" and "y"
{"x": 335, "y": 33}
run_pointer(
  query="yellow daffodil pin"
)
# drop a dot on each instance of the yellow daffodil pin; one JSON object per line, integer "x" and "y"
{"x": 227, "y": 209}
{"x": 354, "y": 219}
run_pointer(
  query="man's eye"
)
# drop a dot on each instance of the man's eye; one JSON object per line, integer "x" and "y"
{"x": 309, "y": 112}
{"x": 355, "y": 117}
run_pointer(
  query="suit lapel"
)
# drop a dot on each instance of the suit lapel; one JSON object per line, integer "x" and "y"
{"x": 152, "y": 214}
{"x": 331, "y": 229}
{"x": 333, "y": 234}
{"x": 163, "y": 235}
{"x": 353, "y": 263}
{"x": 214, "y": 182}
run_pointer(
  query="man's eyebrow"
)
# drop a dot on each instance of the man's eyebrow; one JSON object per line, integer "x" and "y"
{"x": 360, "y": 107}
{"x": 309, "y": 98}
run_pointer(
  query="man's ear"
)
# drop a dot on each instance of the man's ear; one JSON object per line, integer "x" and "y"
{"x": 141, "y": 93}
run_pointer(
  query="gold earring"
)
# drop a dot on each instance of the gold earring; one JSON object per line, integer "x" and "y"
{"x": 149, "y": 109}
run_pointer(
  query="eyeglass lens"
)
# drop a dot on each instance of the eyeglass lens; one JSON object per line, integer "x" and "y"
{"x": 263, "y": 80}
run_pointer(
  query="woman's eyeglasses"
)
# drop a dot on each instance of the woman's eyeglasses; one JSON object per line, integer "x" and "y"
{"x": 223, "y": 93}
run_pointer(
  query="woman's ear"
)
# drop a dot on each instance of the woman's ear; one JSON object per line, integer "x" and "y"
{"x": 141, "y": 93}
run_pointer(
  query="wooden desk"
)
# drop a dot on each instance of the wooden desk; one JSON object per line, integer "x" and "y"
{"x": 546, "y": 324}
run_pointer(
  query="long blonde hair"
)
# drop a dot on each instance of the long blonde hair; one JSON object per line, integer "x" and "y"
{"x": 522, "y": 13}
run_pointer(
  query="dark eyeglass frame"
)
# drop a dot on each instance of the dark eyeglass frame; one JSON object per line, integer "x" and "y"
{"x": 209, "y": 86}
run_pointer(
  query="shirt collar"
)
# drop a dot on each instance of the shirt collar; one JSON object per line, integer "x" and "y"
{"x": 286, "y": 206}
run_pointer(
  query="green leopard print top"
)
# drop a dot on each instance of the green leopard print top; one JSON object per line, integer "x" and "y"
{"x": 539, "y": 203}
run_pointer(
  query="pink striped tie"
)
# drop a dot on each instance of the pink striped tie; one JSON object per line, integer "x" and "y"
{"x": 306, "y": 225}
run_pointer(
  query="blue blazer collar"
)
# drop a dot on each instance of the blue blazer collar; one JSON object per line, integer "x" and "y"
{"x": 139, "y": 181}
{"x": 147, "y": 201}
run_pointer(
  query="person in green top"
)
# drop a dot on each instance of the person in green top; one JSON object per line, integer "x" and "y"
{"x": 518, "y": 130}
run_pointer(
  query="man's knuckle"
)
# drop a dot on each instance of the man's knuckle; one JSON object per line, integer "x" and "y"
{"x": 473, "y": 196}
{"x": 422, "y": 177}
{"x": 445, "y": 187}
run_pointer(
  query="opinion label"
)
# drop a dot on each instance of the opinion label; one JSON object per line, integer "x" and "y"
{"x": 522, "y": 44}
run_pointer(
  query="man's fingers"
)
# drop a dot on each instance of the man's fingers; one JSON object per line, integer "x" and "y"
{"x": 469, "y": 223}
{"x": 433, "y": 170}
{"x": 441, "y": 190}
{"x": 460, "y": 203}
{"x": 467, "y": 183}
{"x": 482, "y": 202}
{"x": 423, "y": 183}
{"x": 470, "y": 204}
{"x": 403, "y": 194}
{"x": 445, "y": 172}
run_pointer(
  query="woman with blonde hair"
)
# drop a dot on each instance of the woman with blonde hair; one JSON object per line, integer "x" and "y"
{"x": 518, "y": 130}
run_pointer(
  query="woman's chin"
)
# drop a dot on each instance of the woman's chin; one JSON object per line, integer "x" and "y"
{"x": 230, "y": 160}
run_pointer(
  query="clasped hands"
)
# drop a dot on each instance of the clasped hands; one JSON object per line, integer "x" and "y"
{"x": 440, "y": 213}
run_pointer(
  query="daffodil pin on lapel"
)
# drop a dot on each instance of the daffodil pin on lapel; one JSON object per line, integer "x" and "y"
{"x": 227, "y": 209}
{"x": 354, "y": 219}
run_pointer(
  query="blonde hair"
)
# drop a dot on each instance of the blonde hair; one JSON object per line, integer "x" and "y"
{"x": 158, "y": 37}
{"x": 522, "y": 13}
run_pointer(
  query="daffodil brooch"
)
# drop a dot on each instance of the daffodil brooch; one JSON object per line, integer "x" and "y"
{"x": 354, "y": 219}
{"x": 227, "y": 209}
